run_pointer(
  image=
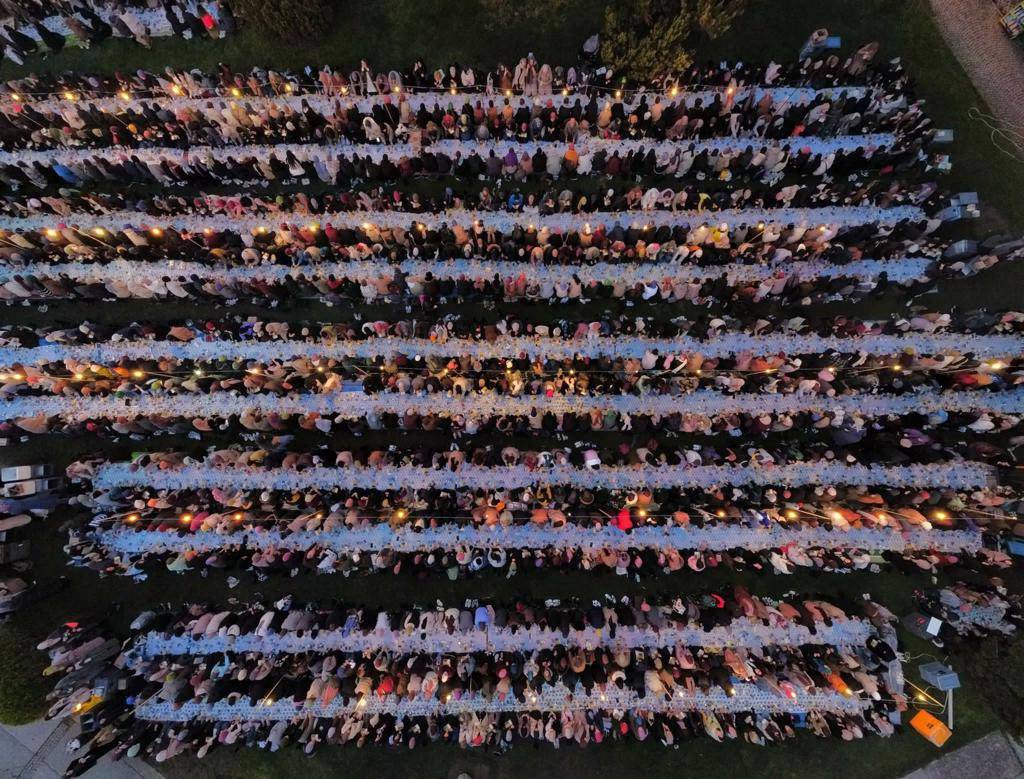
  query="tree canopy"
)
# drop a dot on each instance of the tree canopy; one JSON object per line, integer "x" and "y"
{"x": 645, "y": 38}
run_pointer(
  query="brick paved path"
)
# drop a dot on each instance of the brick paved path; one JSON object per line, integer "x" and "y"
{"x": 994, "y": 62}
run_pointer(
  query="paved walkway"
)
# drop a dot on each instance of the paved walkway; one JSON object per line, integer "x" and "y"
{"x": 28, "y": 752}
{"x": 994, "y": 62}
{"x": 991, "y": 757}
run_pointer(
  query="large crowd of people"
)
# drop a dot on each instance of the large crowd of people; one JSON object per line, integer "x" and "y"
{"x": 568, "y": 323}
{"x": 41, "y": 27}
{"x": 645, "y": 676}
{"x": 824, "y": 71}
{"x": 727, "y": 666}
{"x": 765, "y": 114}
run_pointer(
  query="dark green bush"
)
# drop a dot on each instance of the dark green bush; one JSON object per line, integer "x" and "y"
{"x": 643, "y": 38}
{"x": 295, "y": 21}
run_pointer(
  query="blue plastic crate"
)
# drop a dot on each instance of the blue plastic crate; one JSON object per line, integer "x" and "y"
{"x": 1015, "y": 547}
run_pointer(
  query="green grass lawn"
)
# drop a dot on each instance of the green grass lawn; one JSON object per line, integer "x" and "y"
{"x": 391, "y": 34}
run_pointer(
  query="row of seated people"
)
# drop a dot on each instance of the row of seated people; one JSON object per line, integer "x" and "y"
{"x": 80, "y": 124}
{"x": 818, "y": 71}
{"x": 763, "y": 167}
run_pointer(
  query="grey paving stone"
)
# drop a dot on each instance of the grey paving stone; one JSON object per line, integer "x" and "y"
{"x": 991, "y": 757}
{"x": 18, "y": 745}
{"x": 13, "y": 755}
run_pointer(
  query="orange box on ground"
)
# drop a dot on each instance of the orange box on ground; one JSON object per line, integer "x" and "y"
{"x": 931, "y": 728}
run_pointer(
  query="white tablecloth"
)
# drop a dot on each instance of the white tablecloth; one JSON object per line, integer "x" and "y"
{"x": 741, "y": 632}
{"x": 132, "y": 542}
{"x": 356, "y": 405}
{"x": 952, "y": 475}
{"x": 721, "y": 345}
{"x": 747, "y": 698}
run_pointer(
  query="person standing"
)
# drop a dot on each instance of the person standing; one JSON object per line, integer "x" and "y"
{"x": 815, "y": 44}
